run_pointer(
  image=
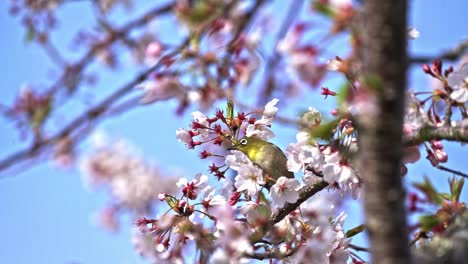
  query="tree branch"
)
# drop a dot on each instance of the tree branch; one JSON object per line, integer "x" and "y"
{"x": 90, "y": 115}
{"x": 272, "y": 255}
{"x": 459, "y": 173}
{"x": 453, "y": 133}
{"x": 267, "y": 89}
{"x": 305, "y": 193}
{"x": 72, "y": 72}
{"x": 450, "y": 55}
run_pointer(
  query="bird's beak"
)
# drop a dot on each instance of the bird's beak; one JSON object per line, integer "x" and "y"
{"x": 233, "y": 147}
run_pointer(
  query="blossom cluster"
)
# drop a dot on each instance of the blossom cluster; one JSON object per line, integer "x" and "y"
{"x": 237, "y": 212}
{"x": 132, "y": 182}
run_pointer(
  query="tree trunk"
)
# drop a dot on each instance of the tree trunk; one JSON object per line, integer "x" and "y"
{"x": 382, "y": 34}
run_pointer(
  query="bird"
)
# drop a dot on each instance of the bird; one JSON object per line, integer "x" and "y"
{"x": 269, "y": 157}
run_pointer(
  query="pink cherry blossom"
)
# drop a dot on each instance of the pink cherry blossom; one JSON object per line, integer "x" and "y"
{"x": 284, "y": 191}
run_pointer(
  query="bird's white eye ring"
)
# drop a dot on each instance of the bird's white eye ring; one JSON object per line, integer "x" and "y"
{"x": 243, "y": 141}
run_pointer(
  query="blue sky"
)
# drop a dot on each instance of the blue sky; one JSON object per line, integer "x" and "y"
{"x": 47, "y": 213}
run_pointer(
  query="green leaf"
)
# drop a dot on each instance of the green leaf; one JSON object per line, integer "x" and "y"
{"x": 30, "y": 34}
{"x": 456, "y": 186}
{"x": 322, "y": 8}
{"x": 342, "y": 94}
{"x": 356, "y": 230}
{"x": 230, "y": 109}
{"x": 171, "y": 201}
{"x": 428, "y": 222}
{"x": 325, "y": 130}
{"x": 446, "y": 196}
{"x": 40, "y": 115}
{"x": 428, "y": 189}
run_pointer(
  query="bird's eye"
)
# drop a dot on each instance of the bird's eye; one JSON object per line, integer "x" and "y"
{"x": 243, "y": 141}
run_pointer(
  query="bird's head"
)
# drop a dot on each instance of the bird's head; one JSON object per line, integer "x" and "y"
{"x": 247, "y": 145}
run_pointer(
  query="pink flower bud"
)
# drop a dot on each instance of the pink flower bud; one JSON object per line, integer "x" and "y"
{"x": 441, "y": 155}
{"x": 437, "y": 144}
{"x": 325, "y": 91}
{"x": 448, "y": 71}
{"x": 428, "y": 70}
{"x": 162, "y": 196}
{"x": 154, "y": 49}
{"x": 437, "y": 67}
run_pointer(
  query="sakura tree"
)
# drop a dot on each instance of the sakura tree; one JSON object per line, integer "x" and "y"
{"x": 334, "y": 72}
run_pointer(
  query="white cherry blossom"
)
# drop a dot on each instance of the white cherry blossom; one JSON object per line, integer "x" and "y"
{"x": 413, "y": 33}
{"x": 202, "y": 119}
{"x": 284, "y": 190}
{"x": 183, "y": 136}
{"x": 249, "y": 179}
{"x": 458, "y": 81}
{"x": 237, "y": 160}
{"x": 302, "y": 156}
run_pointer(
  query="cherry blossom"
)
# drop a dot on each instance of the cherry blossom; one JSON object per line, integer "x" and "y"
{"x": 415, "y": 116}
{"x": 201, "y": 123}
{"x": 161, "y": 88}
{"x": 249, "y": 178}
{"x": 413, "y": 33}
{"x": 237, "y": 160}
{"x": 184, "y": 136}
{"x": 192, "y": 188}
{"x": 334, "y": 64}
{"x": 284, "y": 191}
{"x": 338, "y": 171}
{"x": 211, "y": 200}
{"x": 302, "y": 155}
{"x": 458, "y": 81}
{"x": 133, "y": 183}
{"x": 232, "y": 239}
{"x": 261, "y": 128}
{"x": 153, "y": 50}
{"x": 327, "y": 244}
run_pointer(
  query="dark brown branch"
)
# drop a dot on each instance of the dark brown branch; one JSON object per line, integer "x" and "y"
{"x": 358, "y": 248}
{"x": 272, "y": 255}
{"x": 305, "y": 193}
{"x": 459, "y": 173}
{"x": 450, "y": 55}
{"x": 457, "y": 133}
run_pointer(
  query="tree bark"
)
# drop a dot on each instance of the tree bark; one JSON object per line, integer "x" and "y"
{"x": 382, "y": 34}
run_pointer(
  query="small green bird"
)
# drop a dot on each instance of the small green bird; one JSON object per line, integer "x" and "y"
{"x": 266, "y": 155}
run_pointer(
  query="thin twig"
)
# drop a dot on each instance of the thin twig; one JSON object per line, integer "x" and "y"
{"x": 274, "y": 59}
{"x": 449, "y": 55}
{"x": 90, "y": 115}
{"x": 448, "y": 112}
{"x": 459, "y": 173}
{"x": 358, "y": 248}
{"x": 272, "y": 255}
{"x": 418, "y": 236}
{"x": 53, "y": 53}
{"x": 78, "y": 67}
